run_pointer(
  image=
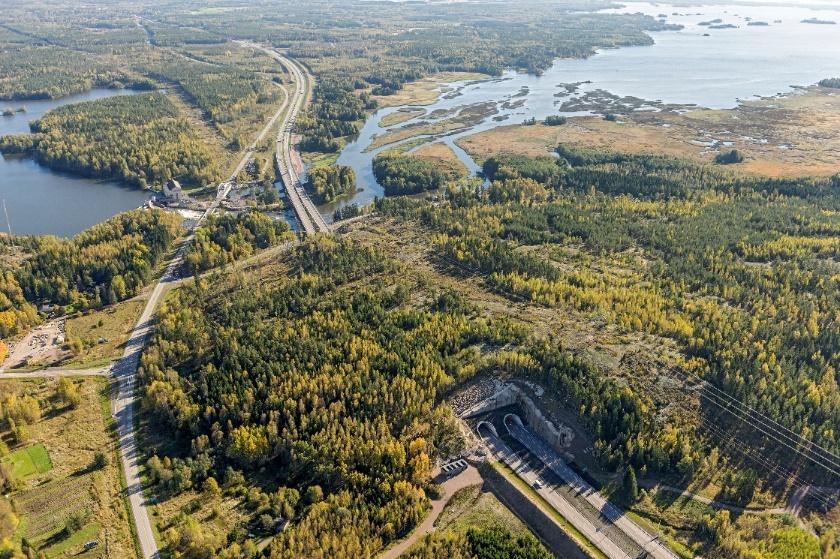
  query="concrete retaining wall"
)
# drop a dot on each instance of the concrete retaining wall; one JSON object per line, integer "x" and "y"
{"x": 559, "y": 437}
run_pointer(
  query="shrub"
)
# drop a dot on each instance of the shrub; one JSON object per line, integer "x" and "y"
{"x": 555, "y": 120}
{"x": 729, "y": 157}
{"x": 100, "y": 460}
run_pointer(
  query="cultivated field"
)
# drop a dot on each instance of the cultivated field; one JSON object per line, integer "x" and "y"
{"x": 56, "y": 478}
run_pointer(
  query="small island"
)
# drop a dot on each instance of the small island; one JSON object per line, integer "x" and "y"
{"x": 818, "y": 21}
{"x": 833, "y": 83}
{"x": 328, "y": 183}
{"x": 758, "y": 23}
{"x": 11, "y": 112}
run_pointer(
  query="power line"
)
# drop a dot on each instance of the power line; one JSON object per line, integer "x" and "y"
{"x": 736, "y": 445}
{"x": 790, "y": 434}
{"x": 8, "y": 223}
{"x": 778, "y": 431}
{"x": 770, "y": 432}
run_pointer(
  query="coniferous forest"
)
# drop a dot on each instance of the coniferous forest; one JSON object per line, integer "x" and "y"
{"x": 671, "y": 307}
{"x": 138, "y": 139}
{"x": 738, "y": 270}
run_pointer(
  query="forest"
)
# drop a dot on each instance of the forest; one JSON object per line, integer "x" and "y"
{"x": 139, "y": 139}
{"x": 357, "y": 53}
{"x": 226, "y": 238}
{"x": 328, "y": 183}
{"x": 400, "y": 174}
{"x": 740, "y": 271}
{"x": 328, "y": 377}
{"x": 107, "y": 263}
{"x": 331, "y": 377}
{"x": 50, "y": 72}
{"x": 17, "y": 314}
{"x": 223, "y": 93}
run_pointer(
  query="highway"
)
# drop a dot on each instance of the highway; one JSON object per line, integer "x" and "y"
{"x": 548, "y": 456}
{"x": 566, "y": 509}
{"x": 308, "y": 215}
{"x": 125, "y": 370}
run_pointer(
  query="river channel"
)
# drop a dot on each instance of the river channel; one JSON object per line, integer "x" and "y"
{"x": 708, "y": 63}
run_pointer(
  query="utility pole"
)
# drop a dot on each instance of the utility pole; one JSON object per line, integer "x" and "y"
{"x": 8, "y": 223}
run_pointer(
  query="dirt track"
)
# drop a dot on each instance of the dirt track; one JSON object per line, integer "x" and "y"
{"x": 466, "y": 478}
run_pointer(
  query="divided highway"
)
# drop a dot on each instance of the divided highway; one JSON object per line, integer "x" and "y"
{"x": 652, "y": 546}
{"x": 308, "y": 215}
{"x": 609, "y": 529}
{"x": 590, "y": 530}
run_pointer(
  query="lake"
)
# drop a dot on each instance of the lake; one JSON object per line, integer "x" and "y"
{"x": 698, "y": 65}
{"x": 40, "y": 201}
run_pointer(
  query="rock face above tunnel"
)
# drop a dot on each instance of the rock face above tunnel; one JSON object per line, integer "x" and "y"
{"x": 508, "y": 394}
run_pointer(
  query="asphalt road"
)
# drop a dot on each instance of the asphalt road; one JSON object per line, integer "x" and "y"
{"x": 566, "y": 509}
{"x": 125, "y": 370}
{"x": 308, "y": 215}
{"x": 655, "y": 548}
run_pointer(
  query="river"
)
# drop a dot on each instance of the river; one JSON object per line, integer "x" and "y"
{"x": 698, "y": 65}
{"x": 40, "y": 201}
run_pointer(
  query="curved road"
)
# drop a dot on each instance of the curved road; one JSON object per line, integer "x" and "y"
{"x": 467, "y": 477}
{"x": 310, "y": 218}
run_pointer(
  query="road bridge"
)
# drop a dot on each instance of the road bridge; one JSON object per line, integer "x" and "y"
{"x": 311, "y": 220}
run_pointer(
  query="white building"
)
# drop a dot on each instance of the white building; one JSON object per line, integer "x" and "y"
{"x": 172, "y": 191}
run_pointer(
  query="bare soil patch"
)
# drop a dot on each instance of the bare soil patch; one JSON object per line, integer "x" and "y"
{"x": 40, "y": 347}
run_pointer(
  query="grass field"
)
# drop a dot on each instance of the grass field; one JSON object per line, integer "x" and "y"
{"x": 61, "y": 480}
{"x": 317, "y": 160}
{"x": 400, "y": 116}
{"x": 29, "y": 461}
{"x": 472, "y": 507}
{"x": 104, "y": 332}
{"x": 442, "y": 155}
{"x": 469, "y": 116}
{"x": 425, "y": 91}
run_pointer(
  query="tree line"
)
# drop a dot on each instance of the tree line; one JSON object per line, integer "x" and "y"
{"x": 138, "y": 139}
{"x": 226, "y": 238}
